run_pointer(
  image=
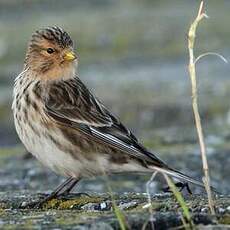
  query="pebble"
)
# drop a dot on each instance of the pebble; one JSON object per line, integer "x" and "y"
{"x": 146, "y": 205}
{"x": 103, "y": 205}
{"x": 221, "y": 210}
{"x": 128, "y": 205}
{"x": 96, "y": 207}
{"x": 23, "y": 204}
{"x": 204, "y": 210}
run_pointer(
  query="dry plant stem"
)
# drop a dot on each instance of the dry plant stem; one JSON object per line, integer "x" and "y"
{"x": 192, "y": 72}
{"x": 211, "y": 53}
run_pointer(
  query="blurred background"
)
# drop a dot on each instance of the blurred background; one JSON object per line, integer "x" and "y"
{"x": 133, "y": 56}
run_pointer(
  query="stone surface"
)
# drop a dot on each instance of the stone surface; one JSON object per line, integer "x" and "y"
{"x": 71, "y": 213}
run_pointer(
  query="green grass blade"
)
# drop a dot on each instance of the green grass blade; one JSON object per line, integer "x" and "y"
{"x": 180, "y": 200}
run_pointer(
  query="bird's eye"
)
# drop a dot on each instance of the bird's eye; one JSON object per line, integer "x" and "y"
{"x": 50, "y": 50}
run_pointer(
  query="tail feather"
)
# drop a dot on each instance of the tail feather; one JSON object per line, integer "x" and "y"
{"x": 179, "y": 175}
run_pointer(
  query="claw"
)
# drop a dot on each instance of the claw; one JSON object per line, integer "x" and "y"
{"x": 181, "y": 186}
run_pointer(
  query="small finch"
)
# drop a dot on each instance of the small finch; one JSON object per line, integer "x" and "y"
{"x": 65, "y": 126}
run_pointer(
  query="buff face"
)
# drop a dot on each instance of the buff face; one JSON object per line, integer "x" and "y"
{"x": 50, "y": 54}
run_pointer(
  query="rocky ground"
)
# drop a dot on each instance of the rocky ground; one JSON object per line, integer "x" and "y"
{"x": 96, "y": 212}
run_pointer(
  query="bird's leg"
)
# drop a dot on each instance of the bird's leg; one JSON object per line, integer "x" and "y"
{"x": 62, "y": 189}
{"x": 69, "y": 188}
{"x": 181, "y": 186}
{"x": 185, "y": 185}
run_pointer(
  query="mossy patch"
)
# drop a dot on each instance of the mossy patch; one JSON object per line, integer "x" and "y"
{"x": 225, "y": 219}
{"x": 75, "y": 203}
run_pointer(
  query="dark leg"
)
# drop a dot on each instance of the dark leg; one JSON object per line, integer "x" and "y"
{"x": 186, "y": 186}
{"x": 66, "y": 192}
{"x": 181, "y": 186}
{"x": 70, "y": 186}
{"x": 62, "y": 189}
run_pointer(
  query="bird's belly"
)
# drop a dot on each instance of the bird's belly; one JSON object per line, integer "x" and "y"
{"x": 54, "y": 158}
{"x": 50, "y": 148}
{"x": 37, "y": 141}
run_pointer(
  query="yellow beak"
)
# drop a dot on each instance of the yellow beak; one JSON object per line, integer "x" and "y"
{"x": 69, "y": 56}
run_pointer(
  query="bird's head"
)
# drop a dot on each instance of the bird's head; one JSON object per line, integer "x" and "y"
{"x": 50, "y": 54}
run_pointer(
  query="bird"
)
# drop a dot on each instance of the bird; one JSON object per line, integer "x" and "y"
{"x": 66, "y": 127}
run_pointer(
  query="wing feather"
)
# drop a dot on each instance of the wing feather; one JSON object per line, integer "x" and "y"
{"x": 72, "y": 104}
{"x": 73, "y": 101}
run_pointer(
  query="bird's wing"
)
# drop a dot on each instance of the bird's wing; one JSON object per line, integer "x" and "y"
{"x": 71, "y": 104}
{"x": 72, "y": 101}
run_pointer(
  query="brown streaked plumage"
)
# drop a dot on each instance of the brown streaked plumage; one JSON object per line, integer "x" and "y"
{"x": 65, "y": 126}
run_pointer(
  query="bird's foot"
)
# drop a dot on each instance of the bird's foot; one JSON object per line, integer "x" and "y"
{"x": 181, "y": 186}
{"x": 62, "y": 196}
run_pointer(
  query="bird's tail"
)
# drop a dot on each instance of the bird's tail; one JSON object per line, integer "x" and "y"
{"x": 179, "y": 175}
